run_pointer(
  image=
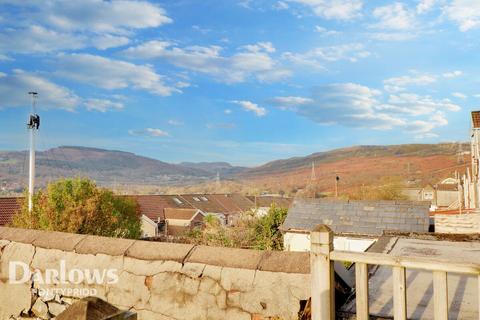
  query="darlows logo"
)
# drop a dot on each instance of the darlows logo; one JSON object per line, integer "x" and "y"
{"x": 19, "y": 272}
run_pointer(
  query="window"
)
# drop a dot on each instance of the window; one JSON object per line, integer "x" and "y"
{"x": 196, "y": 199}
{"x": 204, "y": 198}
{"x": 177, "y": 201}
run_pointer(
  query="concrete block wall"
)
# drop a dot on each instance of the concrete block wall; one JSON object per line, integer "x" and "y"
{"x": 156, "y": 280}
{"x": 457, "y": 223}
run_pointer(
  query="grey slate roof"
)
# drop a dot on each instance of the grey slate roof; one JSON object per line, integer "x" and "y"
{"x": 358, "y": 216}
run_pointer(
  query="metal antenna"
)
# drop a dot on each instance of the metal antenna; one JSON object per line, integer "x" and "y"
{"x": 33, "y": 125}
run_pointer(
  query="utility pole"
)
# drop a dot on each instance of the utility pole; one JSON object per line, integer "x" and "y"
{"x": 217, "y": 182}
{"x": 460, "y": 159}
{"x": 33, "y": 125}
{"x": 337, "y": 178}
{"x": 313, "y": 176}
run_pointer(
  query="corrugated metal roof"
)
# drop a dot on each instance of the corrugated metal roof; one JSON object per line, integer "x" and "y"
{"x": 358, "y": 217}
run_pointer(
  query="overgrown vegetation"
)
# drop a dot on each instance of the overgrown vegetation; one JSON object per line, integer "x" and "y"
{"x": 248, "y": 232}
{"x": 79, "y": 206}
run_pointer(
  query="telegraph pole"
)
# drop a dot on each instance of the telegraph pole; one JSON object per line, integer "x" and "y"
{"x": 337, "y": 178}
{"x": 33, "y": 125}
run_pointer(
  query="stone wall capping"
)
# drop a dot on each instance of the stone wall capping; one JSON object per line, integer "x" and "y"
{"x": 284, "y": 261}
{"x": 20, "y": 235}
{"x": 104, "y": 245}
{"x": 226, "y": 257}
{"x": 149, "y": 250}
{"x": 59, "y": 240}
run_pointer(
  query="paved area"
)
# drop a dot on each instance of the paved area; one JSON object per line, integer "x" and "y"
{"x": 462, "y": 290}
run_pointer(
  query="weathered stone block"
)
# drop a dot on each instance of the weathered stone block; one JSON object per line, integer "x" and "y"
{"x": 14, "y": 298}
{"x": 56, "y": 308}
{"x": 19, "y": 253}
{"x": 193, "y": 270}
{"x": 237, "y": 279}
{"x": 213, "y": 272}
{"x": 130, "y": 291}
{"x": 40, "y": 309}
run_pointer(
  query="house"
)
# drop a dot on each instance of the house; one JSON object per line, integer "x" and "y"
{"x": 226, "y": 207}
{"x": 152, "y": 211}
{"x": 180, "y": 220}
{"x": 207, "y": 204}
{"x": 357, "y": 223}
{"x": 428, "y": 193}
{"x": 446, "y": 195}
{"x": 263, "y": 203}
{"x": 9, "y": 206}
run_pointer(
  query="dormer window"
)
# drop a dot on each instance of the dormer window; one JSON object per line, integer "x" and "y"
{"x": 196, "y": 199}
{"x": 177, "y": 201}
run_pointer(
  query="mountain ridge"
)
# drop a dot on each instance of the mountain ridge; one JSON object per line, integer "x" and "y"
{"x": 109, "y": 167}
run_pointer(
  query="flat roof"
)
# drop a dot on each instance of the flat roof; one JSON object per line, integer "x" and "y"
{"x": 462, "y": 289}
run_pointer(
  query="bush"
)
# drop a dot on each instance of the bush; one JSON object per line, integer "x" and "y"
{"x": 248, "y": 232}
{"x": 79, "y": 206}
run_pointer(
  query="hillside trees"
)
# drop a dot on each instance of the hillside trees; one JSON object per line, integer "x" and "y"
{"x": 79, "y": 206}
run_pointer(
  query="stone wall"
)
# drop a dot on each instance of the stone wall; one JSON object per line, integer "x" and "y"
{"x": 457, "y": 223}
{"x": 156, "y": 280}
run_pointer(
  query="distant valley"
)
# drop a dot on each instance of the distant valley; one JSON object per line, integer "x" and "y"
{"x": 359, "y": 165}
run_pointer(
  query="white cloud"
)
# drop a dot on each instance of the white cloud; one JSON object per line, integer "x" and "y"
{"x": 392, "y": 36}
{"x": 326, "y": 32}
{"x": 281, "y": 5}
{"x": 466, "y": 13}
{"x": 15, "y": 86}
{"x": 226, "y": 125}
{"x": 425, "y": 6}
{"x": 252, "y": 61}
{"x": 394, "y": 16}
{"x": 252, "y": 107}
{"x": 416, "y": 105}
{"x": 107, "y": 41}
{"x": 98, "y": 15}
{"x": 459, "y": 95}
{"x": 317, "y": 57}
{"x": 354, "y": 105}
{"x": 259, "y": 47}
{"x": 111, "y": 74}
{"x": 227, "y": 111}
{"x": 102, "y": 105}
{"x": 453, "y": 74}
{"x": 55, "y": 25}
{"x": 346, "y": 104}
{"x": 174, "y": 122}
{"x": 290, "y": 101}
{"x": 334, "y": 9}
{"x": 38, "y": 39}
{"x": 397, "y": 84}
{"x": 5, "y": 58}
{"x": 150, "y": 132}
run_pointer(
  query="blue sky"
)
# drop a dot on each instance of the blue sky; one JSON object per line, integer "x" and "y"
{"x": 238, "y": 81}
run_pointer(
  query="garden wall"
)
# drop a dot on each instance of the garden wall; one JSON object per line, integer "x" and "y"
{"x": 156, "y": 280}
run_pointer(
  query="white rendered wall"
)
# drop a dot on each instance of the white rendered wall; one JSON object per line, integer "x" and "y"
{"x": 301, "y": 242}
